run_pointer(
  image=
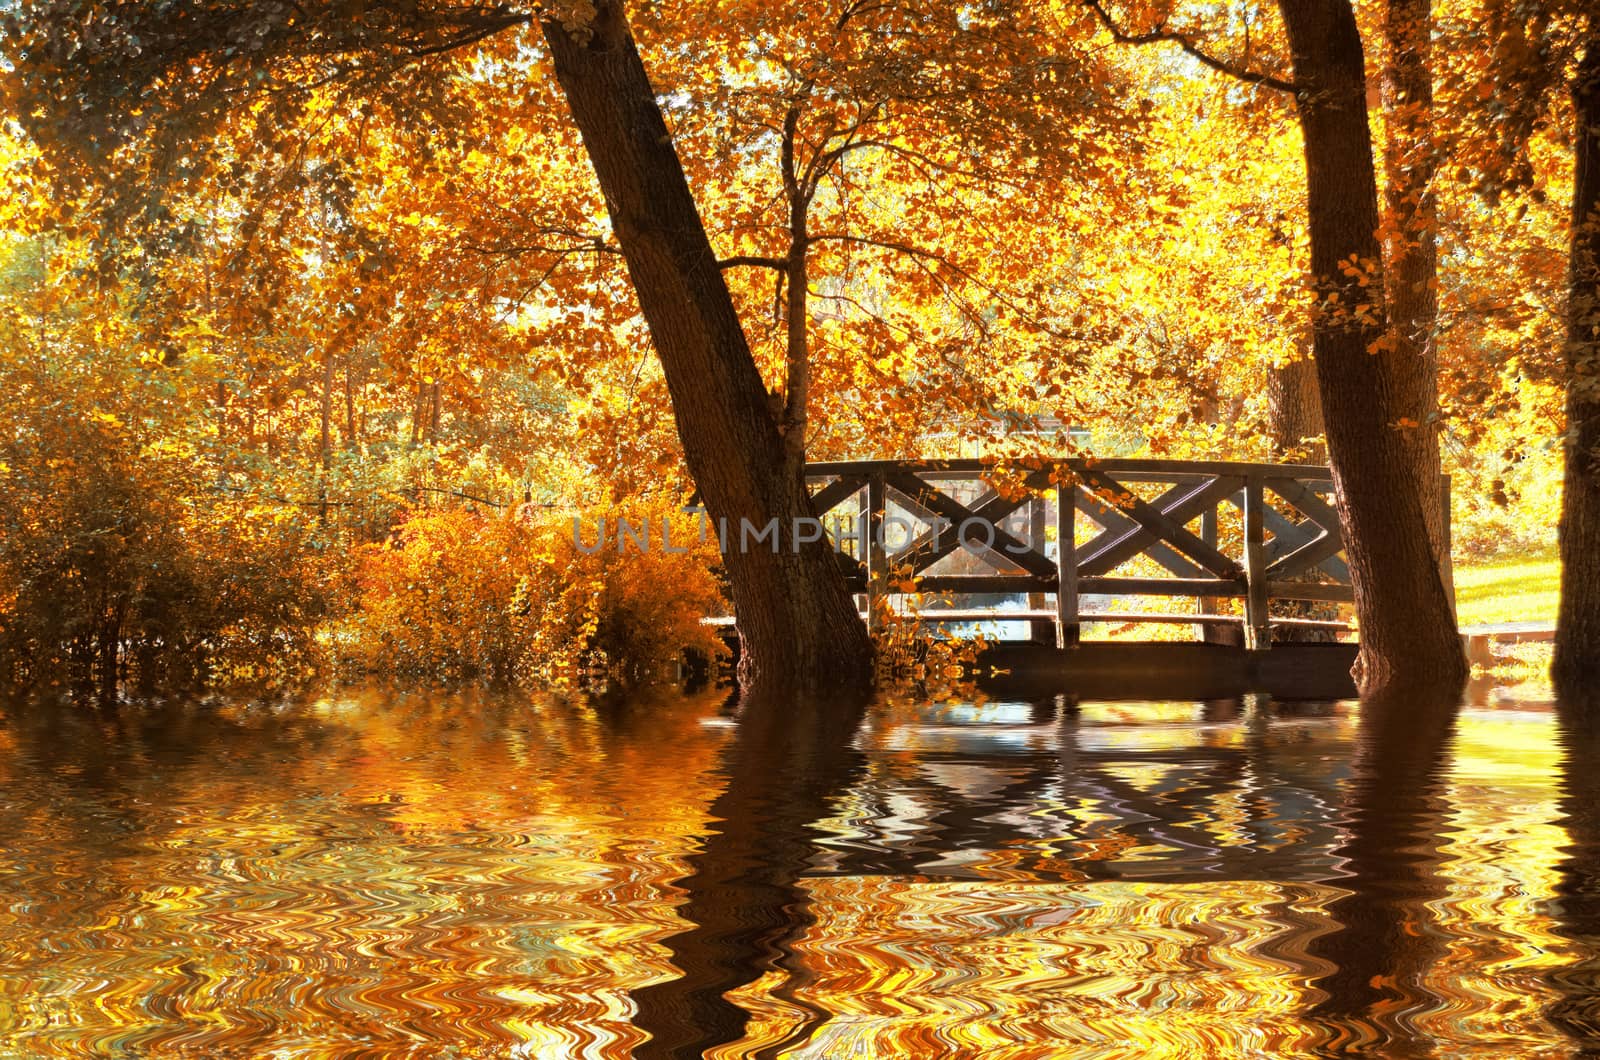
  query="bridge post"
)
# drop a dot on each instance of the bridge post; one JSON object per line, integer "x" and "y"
{"x": 1207, "y": 604}
{"x": 1257, "y": 630}
{"x": 877, "y": 566}
{"x": 1067, "y": 564}
{"x": 1040, "y": 630}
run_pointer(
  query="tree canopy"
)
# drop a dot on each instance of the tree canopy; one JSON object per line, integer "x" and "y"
{"x": 373, "y": 239}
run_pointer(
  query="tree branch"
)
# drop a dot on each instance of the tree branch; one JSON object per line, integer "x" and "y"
{"x": 589, "y": 245}
{"x": 797, "y": 355}
{"x": 753, "y": 260}
{"x": 1160, "y": 35}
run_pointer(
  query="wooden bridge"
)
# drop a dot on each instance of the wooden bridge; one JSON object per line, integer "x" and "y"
{"x": 1077, "y": 528}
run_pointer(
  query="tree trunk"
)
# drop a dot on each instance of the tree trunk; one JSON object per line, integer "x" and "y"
{"x": 108, "y": 649}
{"x": 350, "y": 437}
{"x": 1294, "y": 410}
{"x": 1576, "y": 665}
{"x": 1210, "y": 411}
{"x": 1408, "y": 634}
{"x": 325, "y": 439}
{"x": 1295, "y": 425}
{"x": 797, "y": 354}
{"x": 325, "y": 425}
{"x": 798, "y": 627}
{"x": 1411, "y": 268}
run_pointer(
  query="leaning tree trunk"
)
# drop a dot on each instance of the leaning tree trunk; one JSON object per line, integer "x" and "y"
{"x": 1408, "y": 634}
{"x": 1411, "y": 267}
{"x": 798, "y": 626}
{"x": 1576, "y": 665}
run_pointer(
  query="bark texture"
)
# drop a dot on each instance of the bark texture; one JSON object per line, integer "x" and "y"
{"x": 1408, "y": 634}
{"x": 1295, "y": 427}
{"x": 1411, "y": 267}
{"x": 1577, "y": 650}
{"x": 1294, "y": 411}
{"x": 798, "y": 627}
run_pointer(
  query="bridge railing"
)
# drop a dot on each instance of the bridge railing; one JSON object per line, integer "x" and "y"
{"x": 1291, "y": 543}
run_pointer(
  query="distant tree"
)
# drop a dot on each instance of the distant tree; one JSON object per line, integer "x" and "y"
{"x": 1523, "y": 66}
{"x": 1411, "y": 243}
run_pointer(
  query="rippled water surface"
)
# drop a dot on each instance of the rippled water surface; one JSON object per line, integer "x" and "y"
{"x": 440, "y": 875}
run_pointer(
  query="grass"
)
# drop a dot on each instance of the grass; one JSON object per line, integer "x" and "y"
{"x": 1517, "y": 589}
{"x": 1511, "y": 589}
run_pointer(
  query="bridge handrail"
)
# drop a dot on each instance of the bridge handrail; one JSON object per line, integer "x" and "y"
{"x": 1281, "y": 549}
{"x": 974, "y": 466}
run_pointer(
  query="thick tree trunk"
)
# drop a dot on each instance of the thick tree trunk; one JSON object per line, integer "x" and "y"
{"x": 1411, "y": 268}
{"x": 1408, "y": 634}
{"x": 1577, "y": 651}
{"x": 798, "y": 627}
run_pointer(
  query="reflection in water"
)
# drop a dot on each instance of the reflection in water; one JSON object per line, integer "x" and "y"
{"x": 1576, "y": 1009}
{"x": 1385, "y": 938}
{"x": 744, "y": 902}
{"x": 379, "y": 875}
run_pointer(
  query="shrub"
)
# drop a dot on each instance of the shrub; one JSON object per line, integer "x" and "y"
{"x": 114, "y": 560}
{"x": 512, "y": 596}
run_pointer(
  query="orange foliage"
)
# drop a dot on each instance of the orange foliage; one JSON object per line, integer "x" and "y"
{"x": 456, "y": 593}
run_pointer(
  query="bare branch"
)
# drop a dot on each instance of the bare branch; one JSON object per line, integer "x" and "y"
{"x": 485, "y": 29}
{"x": 823, "y": 160}
{"x": 587, "y": 244}
{"x": 1161, "y": 35}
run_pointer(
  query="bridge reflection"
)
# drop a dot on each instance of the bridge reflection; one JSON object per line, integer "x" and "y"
{"x": 1061, "y": 790}
{"x": 1334, "y": 830}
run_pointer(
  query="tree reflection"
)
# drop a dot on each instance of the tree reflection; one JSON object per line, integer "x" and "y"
{"x": 1383, "y": 945}
{"x": 1576, "y": 908}
{"x": 743, "y": 900}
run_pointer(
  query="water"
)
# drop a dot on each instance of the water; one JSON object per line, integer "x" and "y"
{"x": 444, "y": 875}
